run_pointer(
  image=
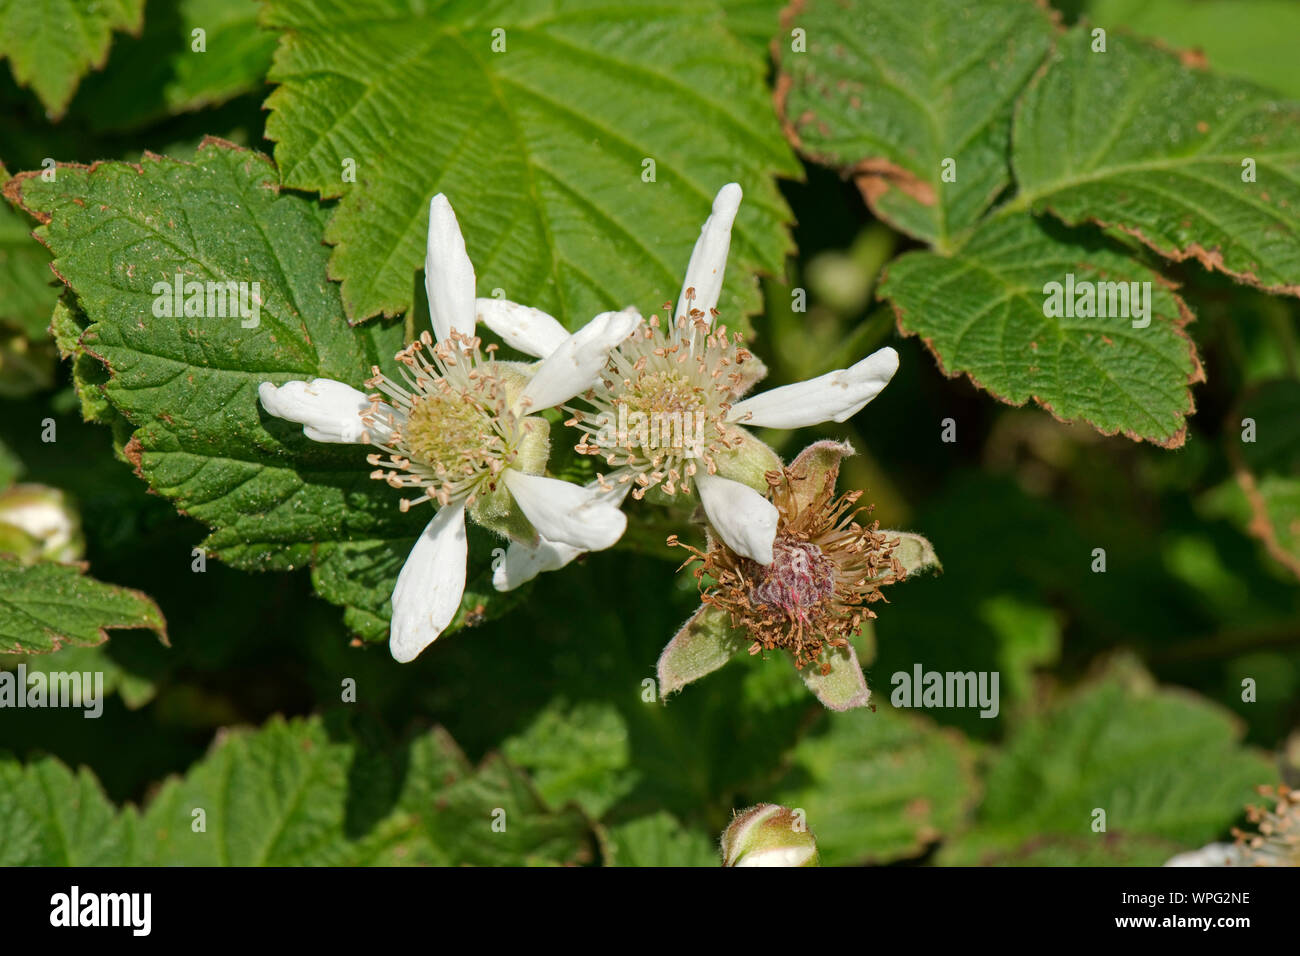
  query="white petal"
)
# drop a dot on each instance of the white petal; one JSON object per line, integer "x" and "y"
{"x": 576, "y": 364}
{"x": 566, "y": 513}
{"x": 448, "y": 274}
{"x": 431, "y": 584}
{"x": 1214, "y": 854}
{"x": 329, "y": 411}
{"x": 523, "y": 563}
{"x": 521, "y": 327}
{"x": 778, "y": 856}
{"x": 743, "y": 519}
{"x": 709, "y": 258}
{"x": 834, "y": 397}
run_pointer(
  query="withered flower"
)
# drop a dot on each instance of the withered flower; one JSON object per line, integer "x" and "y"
{"x": 829, "y": 565}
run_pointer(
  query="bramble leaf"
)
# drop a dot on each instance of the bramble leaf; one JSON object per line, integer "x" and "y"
{"x": 1121, "y": 746}
{"x": 579, "y": 754}
{"x": 51, "y": 52}
{"x": 46, "y": 605}
{"x": 26, "y": 296}
{"x": 983, "y": 312}
{"x": 539, "y": 120}
{"x": 274, "y": 498}
{"x": 1135, "y": 139}
{"x": 890, "y": 94}
{"x": 1252, "y": 39}
{"x": 295, "y": 793}
{"x": 878, "y": 786}
{"x": 161, "y": 73}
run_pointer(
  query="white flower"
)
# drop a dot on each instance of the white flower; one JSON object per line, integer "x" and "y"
{"x": 461, "y": 429}
{"x": 668, "y": 410}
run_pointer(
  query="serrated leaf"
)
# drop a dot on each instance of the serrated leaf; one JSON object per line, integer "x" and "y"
{"x": 660, "y": 840}
{"x": 982, "y": 312}
{"x": 51, "y": 816}
{"x": 878, "y": 786}
{"x": 88, "y": 373}
{"x": 159, "y": 73}
{"x": 576, "y": 754}
{"x": 1166, "y": 767}
{"x": 1268, "y": 466}
{"x": 50, "y": 52}
{"x": 890, "y": 93}
{"x": 1135, "y": 139}
{"x": 541, "y": 146}
{"x": 274, "y": 498}
{"x": 46, "y": 605}
{"x": 292, "y": 793}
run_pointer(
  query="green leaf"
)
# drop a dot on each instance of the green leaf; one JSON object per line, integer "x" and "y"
{"x": 1028, "y": 636}
{"x": 659, "y": 840}
{"x": 878, "y": 787}
{"x": 275, "y": 499}
{"x": 1268, "y": 466}
{"x": 293, "y": 793}
{"x": 26, "y": 293}
{"x": 88, "y": 373}
{"x": 890, "y": 93}
{"x": 541, "y": 147}
{"x": 1252, "y": 39}
{"x": 1166, "y": 767}
{"x": 159, "y": 73}
{"x": 51, "y": 816}
{"x": 578, "y": 754}
{"x": 50, "y": 51}
{"x": 982, "y": 312}
{"x": 47, "y": 605}
{"x": 756, "y": 21}
{"x": 1133, "y": 138}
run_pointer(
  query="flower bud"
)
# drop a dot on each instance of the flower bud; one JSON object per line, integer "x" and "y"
{"x": 39, "y": 524}
{"x": 769, "y": 835}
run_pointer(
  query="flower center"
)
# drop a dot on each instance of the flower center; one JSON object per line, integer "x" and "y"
{"x": 799, "y": 581}
{"x": 660, "y": 408}
{"x": 662, "y": 391}
{"x": 452, "y": 429}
